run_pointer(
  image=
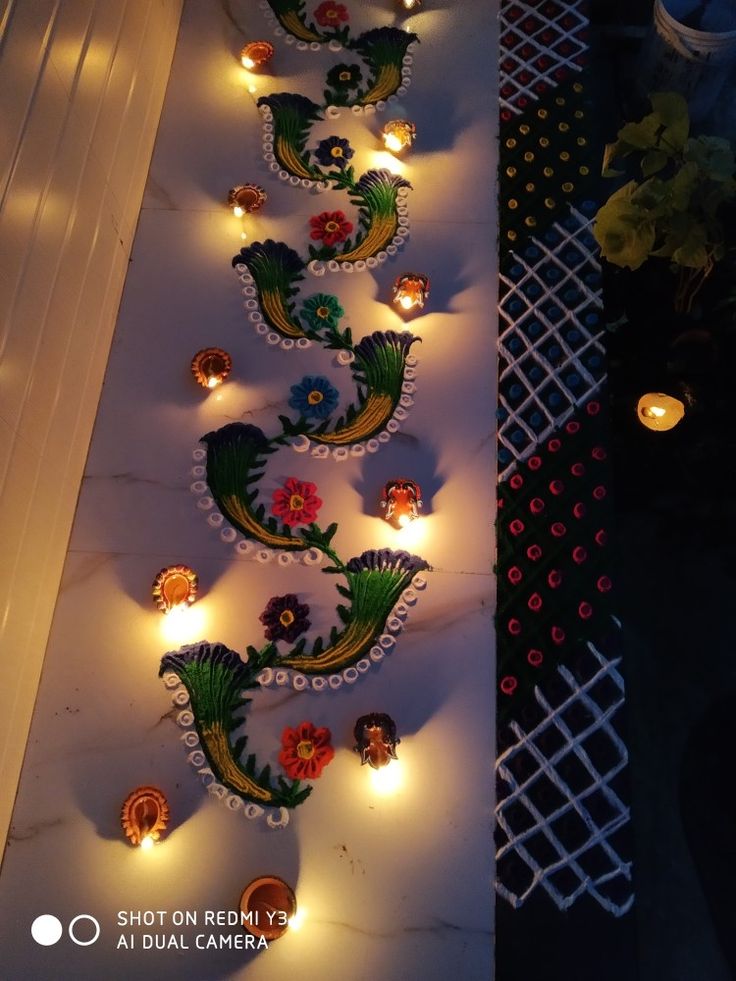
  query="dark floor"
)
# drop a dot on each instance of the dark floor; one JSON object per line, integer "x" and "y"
{"x": 676, "y": 539}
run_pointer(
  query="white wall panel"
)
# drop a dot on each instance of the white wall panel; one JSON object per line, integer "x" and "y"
{"x": 81, "y": 88}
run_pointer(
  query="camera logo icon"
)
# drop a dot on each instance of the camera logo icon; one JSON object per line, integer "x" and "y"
{"x": 83, "y": 930}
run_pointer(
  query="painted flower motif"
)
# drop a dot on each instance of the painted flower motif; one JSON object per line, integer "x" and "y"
{"x": 516, "y": 481}
{"x": 535, "y": 658}
{"x": 573, "y": 427}
{"x": 334, "y": 152}
{"x": 534, "y": 552}
{"x": 331, "y": 14}
{"x": 558, "y": 635}
{"x": 599, "y": 492}
{"x": 306, "y": 751}
{"x": 296, "y": 503}
{"x": 536, "y": 505}
{"x": 593, "y": 408}
{"x": 585, "y": 611}
{"x": 598, "y": 453}
{"x": 604, "y": 584}
{"x": 579, "y": 510}
{"x": 556, "y": 487}
{"x": 314, "y": 397}
{"x": 601, "y": 538}
{"x": 508, "y": 684}
{"x": 285, "y": 618}
{"x": 579, "y": 554}
{"x": 514, "y": 627}
{"x": 558, "y": 529}
{"x": 534, "y": 462}
{"x": 516, "y": 526}
{"x": 554, "y": 578}
{"x": 535, "y": 602}
{"x": 322, "y": 310}
{"x": 554, "y": 445}
{"x": 515, "y": 575}
{"x": 330, "y": 227}
{"x": 577, "y": 469}
{"x": 344, "y": 77}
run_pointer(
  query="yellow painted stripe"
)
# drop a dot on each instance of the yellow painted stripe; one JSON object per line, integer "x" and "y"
{"x": 374, "y": 415}
{"x": 348, "y": 649}
{"x": 248, "y": 524}
{"x": 273, "y": 306}
{"x": 220, "y": 752}
{"x": 387, "y": 81}
{"x": 379, "y": 235}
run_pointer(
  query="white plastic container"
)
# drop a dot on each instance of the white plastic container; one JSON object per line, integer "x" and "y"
{"x": 695, "y": 63}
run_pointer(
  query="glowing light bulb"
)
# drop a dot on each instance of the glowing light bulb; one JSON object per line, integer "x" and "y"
{"x": 411, "y": 290}
{"x": 388, "y": 779}
{"x": 296, "y": 922}
{"x": 256, "y": 54}
{"x": 398, "y": 134}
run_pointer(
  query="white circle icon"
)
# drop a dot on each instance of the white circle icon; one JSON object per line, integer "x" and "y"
{"x": 95, "y": 935}
{"x": 46, "y": 930}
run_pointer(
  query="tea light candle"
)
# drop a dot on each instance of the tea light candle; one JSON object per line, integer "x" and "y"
{"x": 401, "y": 501}
{"x": 659, "y": 412}
{"x": 144, "y": 816}
{"x": 398, "y": 135}
{"x": 411, "y": 290}
{"x": 256, "y": 54}
{"x": 268, "y": 906}
{"x": 245, "y": 199}
{"x": 211, "y": 366}
{"x": 175, "y": 587}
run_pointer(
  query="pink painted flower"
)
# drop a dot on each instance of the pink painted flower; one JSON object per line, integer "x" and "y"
{"x": 535, "y": 602}
{"x": 514, "y": 627}
{"x": 578, "y": 510}
{"x": 296, "y": 502}
{"x": 558, "y": 635}
{"x": 331, "y": 14}
{"x": 558, "y": 529}
{"x": 577, "y": 470}
{"x": 516, "y": 481}
{"x": 579, "y": 554}
{"x": 536, "y": 505}
{"x": 534, "y": 462}
{"x": 554, "y": 445}
{"x": 601, "y": 537}
{"x": 330, "y": 227}
{"x": 554, "y": 578}
{"x": 534, "y": 552}
{"x": 535, "y": 658}
{"x": 516, "y": 526}
{"x": 598, "y": 453}
{"x": 604, "y": 584}
{"x": 556, "y": 487}
{"x": 573, "y": 427}
{"x": 515, "y": 575}
{"x": 593, "y": 408}
{"x": 585, "y": 611}
{"x": 599, "y": 492}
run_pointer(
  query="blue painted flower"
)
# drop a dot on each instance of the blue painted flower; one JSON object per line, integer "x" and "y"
{"x": 314, "y": 397}
{"x": 322, "y": 310}
{"x": 334, "y": 152}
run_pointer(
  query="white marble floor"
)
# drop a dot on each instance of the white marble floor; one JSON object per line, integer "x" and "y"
{"x": 396, "y": 886}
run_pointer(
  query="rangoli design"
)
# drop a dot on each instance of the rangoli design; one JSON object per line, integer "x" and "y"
{"x": 378, "y": 587}
{"x": 561, "y": 793}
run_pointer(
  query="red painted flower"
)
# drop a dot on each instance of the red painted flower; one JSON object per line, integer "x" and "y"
{"x": 593, "y": 408}
{"x": 536, "y": 505}
{"x": 331, "y": 227}
{"x": 535, "y": 658}
{"x": 601, "y": 537}
{"x": 296, "y": 503}
{"x": 558, "y": 529}
{"x": 515, "y": 575}
{"x": 579, "y": 554}
{"x": 508, "y": 684}
{"x": 516, "y": 481}
{"x": 306, "y": 751}
{"x": 535, "y": 462}
{"x": 330, "y": 14}
{"x": 535, "y": 602}
{"x": 573, "y": 427}
{"x": 554, "y": 578}
{"x": 554, "y": 445}
{"x": 558, "y": 635}
{"x": 534, "y": 552}
{"x": 577, "y": 470}
{"x": 556, "y": 487}
{"x": 579, "y": 510}
{"x": 604, "y": 584}
{"x": 598, "y": 453}
{"x": 514, "y": 627}
{"x": 516, "y": 527}
{"x": 599, "y": 492}
{"x": 585, "y": 611}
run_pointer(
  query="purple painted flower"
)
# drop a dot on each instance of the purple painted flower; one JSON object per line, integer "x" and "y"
{"x": 285, "y": 618}
{"x": 334, "y": 152}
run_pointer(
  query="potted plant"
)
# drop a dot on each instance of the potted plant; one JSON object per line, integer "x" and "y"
{"x": 673, "y": 207}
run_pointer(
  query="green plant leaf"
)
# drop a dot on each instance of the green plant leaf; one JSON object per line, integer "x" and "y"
{"x": 670, "y": 108}
{"x": 653, "y": 162}
{"x": 642, "y": 135}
